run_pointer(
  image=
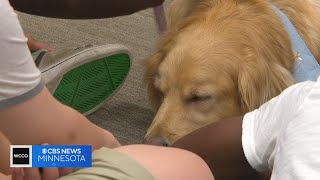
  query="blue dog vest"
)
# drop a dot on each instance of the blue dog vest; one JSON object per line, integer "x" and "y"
{"x": 306, "y": 66}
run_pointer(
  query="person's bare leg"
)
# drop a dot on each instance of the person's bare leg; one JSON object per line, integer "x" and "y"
{"x": 43, "y": 119}
{"x": 168, "y": 163}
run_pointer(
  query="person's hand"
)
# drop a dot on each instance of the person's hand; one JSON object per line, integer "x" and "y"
{"x": 38, "y": 174}
{"x": 35, "y": 45}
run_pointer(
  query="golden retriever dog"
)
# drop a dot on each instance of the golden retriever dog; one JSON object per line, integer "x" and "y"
{"x": 223, "y": 58}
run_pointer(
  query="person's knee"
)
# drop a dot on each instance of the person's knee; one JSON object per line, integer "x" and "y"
{"x": 168, "y": 163}
{"x": 193, "y": 165}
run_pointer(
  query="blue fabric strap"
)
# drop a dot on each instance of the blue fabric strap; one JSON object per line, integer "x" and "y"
{"x": 306, "y": 66}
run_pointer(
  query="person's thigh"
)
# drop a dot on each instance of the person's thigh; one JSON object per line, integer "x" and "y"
{"x": 4, "y": 177}
{"x": 169, "y": 163}
{"x": 144, "y": 163}
{"x": 110, "y": 164}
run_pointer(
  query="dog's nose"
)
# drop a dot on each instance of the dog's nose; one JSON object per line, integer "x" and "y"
{"x": 158, "y": 141}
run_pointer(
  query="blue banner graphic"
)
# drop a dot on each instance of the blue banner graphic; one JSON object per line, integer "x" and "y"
{"x": 48, "y": 156}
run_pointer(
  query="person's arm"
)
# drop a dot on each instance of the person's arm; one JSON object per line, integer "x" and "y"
{"x": 43, "y": 119}
{"x": 4, "y": 154}
{"x": 82, "y": 9}
{"x": 29, "y": 114}
{"x": 220, "y": 145}
{"x": 24, "y": 173}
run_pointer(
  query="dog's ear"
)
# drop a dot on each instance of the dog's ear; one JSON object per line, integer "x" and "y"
{"x": 179, "y": 10}
{"x": 151, "y": 65}
{"x": 259, "y": 81}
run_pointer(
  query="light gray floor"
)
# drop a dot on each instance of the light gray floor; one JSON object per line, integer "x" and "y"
{"x": 128, "y": 114}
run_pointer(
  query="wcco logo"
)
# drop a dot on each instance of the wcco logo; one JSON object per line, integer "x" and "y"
{"x": 20, "y": 156}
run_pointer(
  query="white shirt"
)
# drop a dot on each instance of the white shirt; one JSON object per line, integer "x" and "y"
{"x": 284, "y": 134}
{"x": 19, "y": 77}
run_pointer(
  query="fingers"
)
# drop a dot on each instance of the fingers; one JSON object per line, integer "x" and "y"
{"x": 39, "y": 174}
{"x": 26, "y": 174}
{"x": 35, "y": 45}
{"x": 36, "y": 174}
{"x": 50, "y": 174}
{"x": 31, "y": 174}
{"x": 65, "y": 171}
{"x": 17, "y": 174}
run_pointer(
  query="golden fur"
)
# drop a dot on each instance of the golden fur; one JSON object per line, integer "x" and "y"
{"x": 223, "y": 58}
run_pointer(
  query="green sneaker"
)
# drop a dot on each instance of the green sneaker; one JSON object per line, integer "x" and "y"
{"x": 85, "y": 77}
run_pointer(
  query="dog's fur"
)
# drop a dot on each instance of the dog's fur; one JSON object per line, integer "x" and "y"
{"x": 223, "y": 58}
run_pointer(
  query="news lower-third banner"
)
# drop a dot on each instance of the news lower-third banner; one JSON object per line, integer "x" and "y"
{"x": 48, "y": 156}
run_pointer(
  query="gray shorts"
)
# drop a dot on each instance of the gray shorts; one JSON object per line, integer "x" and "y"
{"x": 110, "y": 164}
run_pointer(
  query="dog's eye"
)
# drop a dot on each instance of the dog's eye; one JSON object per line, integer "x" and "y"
{"x": 197, "y": 98}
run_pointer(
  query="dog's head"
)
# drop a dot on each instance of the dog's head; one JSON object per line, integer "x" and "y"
{"x": 213, "y": 67}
